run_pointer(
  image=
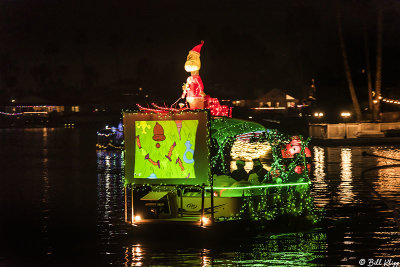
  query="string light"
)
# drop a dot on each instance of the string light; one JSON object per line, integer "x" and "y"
{"x": 391, "y": 101}
{"x": 109, "y": 146}
{"x": 105, "y": 134}
{"x": 11, "y": 114}
{"x": 258, "y": 186}
{"x": 248, "y": 151}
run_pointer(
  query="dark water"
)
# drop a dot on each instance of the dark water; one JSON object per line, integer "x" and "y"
{"x": 61, "y": 203}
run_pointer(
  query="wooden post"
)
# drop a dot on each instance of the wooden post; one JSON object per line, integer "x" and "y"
{"x": 181, "y": 211}
{"x": 202, "y": 205}
{"x": 126, "y": 205}
{"x": 132, "y": 206}
{"x": 212, "y": 202}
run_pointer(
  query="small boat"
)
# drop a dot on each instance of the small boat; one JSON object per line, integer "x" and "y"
{"x": 177, "y": 170}
{"x": 110, "y": 138}
{"x": 26, "y": 119}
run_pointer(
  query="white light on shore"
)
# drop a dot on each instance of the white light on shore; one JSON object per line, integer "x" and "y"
{"x": 345, "y": 114}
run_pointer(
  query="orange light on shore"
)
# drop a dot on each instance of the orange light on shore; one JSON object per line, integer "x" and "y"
{"x": 318, "y": 114}
{"x": 390, "y": 101}
{"x": 138, "y": 218}
{"x": 205, "y": 220}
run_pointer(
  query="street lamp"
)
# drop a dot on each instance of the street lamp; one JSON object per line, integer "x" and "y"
{"x": 318, "y": 114}
{"x": 345, "y": 115}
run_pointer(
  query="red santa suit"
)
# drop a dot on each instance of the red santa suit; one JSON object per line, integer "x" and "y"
{"x": 194, "y": 87}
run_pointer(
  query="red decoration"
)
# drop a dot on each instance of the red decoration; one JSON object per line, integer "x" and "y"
{"x": 300, "y": 169}
{"x": 151, "y": 109}
{"x": 215, "y": 108}
{"x": 194, "y": 87}
{"x": 197, "y": 48}
{"x": 294, "y": 147}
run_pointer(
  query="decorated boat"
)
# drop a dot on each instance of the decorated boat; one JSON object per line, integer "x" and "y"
{"x": 110, "y": 138}
{"x": 179, "y": 164}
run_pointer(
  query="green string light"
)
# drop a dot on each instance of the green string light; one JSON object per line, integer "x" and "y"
{"x": 259, "y": 186}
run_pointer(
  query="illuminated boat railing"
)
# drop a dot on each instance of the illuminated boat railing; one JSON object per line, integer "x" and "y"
{"x": 259, "y": 186}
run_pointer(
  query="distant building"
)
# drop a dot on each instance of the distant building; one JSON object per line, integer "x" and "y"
{"x": 34, "y": 104}
{"x": 274, "y": 99}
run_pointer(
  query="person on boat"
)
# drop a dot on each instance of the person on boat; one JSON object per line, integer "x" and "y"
{"x": 240, "y": 173}
{"x": 193, "y": 89}
{"x": 258, "y": 173}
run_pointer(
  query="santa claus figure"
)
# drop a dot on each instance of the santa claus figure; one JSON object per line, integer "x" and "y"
{"x": 193, "y": 90}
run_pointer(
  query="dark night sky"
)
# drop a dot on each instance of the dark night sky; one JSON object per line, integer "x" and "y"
{"x": 66, "y": 48}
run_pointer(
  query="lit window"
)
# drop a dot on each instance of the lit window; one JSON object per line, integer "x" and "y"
{"x": 290, "y": 104}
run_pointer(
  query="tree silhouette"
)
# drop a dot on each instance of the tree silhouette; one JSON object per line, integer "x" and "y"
{"x": 354, "y": 98}
{"x": 368, "y": 67}
{"x": 378, "y": 77}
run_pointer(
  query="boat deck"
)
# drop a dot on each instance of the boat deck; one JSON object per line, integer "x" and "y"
{"x": 195, "y": 220}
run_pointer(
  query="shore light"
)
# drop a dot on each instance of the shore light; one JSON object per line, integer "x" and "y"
{"x": 138, "y": 218}
{"x": 345, "y": 114}
{"x": 318, "y": 114}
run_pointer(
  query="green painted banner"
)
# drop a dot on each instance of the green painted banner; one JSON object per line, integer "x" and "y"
{"x": 170, "y": 148}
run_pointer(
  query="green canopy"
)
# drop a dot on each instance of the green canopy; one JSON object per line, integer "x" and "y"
{"x": 223, "y": 128}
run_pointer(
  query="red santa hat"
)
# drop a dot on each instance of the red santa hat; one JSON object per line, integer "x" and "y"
{"x": 197, "y": 48}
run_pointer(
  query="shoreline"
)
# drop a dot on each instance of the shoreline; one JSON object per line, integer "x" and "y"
{"x": 362, "y": 141}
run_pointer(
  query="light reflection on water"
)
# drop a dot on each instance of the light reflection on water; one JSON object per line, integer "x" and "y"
{"x": 110, "y": 195}
{"x": 46, "y": 188}
{"x": 346, "y": 195}
{"x": 292, "y": 249}
{"x": 319, "y": 175}
{"x": 388, "y": 182}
